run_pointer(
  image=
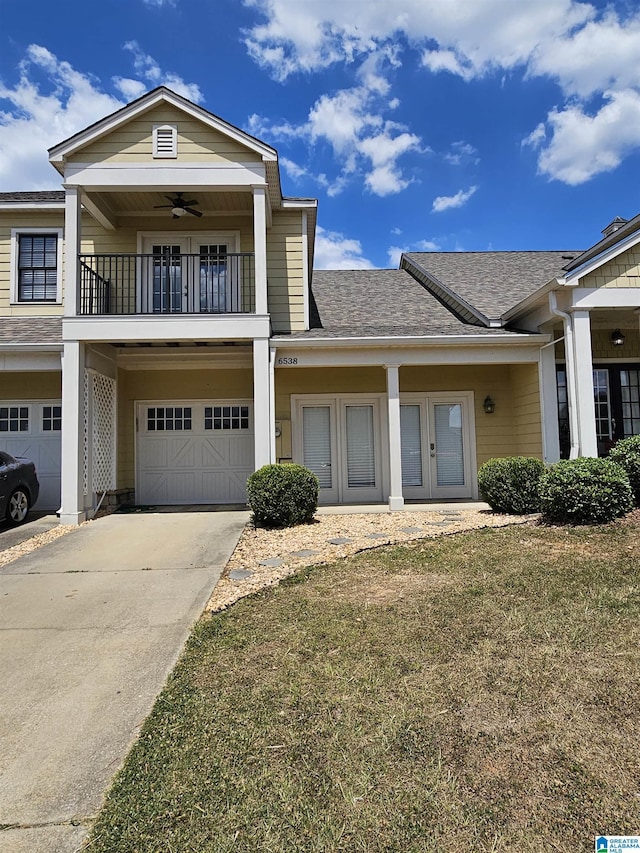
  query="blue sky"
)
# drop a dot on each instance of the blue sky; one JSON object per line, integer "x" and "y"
{"x": 418, "y": 124}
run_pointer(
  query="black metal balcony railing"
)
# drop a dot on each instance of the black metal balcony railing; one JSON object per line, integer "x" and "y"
{"x": 167, "y": 284}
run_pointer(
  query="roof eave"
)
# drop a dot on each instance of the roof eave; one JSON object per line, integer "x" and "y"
{"x": 142, "y": 104}
{"x": 530, "y": 301}
{"x": 510, "y": 338}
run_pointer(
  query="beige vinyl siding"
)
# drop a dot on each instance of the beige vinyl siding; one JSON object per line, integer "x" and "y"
{"x": 601, "y": 346}
{"x": 513, "y": 429}
{"x": 133, "y": 142}
{"x": 173, "y": 385}
{"x": 32, "y": 385}
{"x": 26, "y": 220}
{"x": 526, "y": 409}
{"x": 285, "y": 271}
{"x": 623, "y": 271}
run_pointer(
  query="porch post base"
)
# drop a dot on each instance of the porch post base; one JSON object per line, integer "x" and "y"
{"x": 73, "y": 518}
{"x": 396, "y": 503}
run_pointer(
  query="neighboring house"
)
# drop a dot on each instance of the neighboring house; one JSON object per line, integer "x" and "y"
{"x": 162, "y": 335}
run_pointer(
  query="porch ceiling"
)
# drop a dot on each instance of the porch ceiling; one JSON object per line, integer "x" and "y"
{"x": 615, "y": 318}
{"x": 144, "y": 203}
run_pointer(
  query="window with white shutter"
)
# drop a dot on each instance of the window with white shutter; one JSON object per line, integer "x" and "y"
{"x": 165, "y": 140}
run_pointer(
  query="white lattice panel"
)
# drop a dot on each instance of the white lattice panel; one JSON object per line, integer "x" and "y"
{"x": 85, "y": 434}
{"x": 103, "y": 432}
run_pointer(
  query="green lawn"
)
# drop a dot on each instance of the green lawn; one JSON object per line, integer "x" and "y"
{"x": 478, "y": 692}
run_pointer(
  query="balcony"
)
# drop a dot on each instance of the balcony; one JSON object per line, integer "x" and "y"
{"x": 168, "y": 282}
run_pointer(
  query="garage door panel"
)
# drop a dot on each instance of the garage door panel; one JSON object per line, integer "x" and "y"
{"x": 42, "y": 446}
{"x": 206, "y": 463}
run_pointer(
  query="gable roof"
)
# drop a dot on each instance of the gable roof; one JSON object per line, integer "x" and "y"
{"x": 379, "y": 303}
{"x": 481, "y": 286}
{"x": 622, "y": 234}
{"x": 145, "y": 102}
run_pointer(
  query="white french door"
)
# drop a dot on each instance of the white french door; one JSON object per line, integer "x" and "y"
{"x": 436, "y": 446}
{"x": 188, "y": 274}
{"x": 339, "y": 440}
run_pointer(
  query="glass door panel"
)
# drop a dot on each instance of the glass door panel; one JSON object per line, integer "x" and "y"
{"x": 449, "y": 450}
{"x": 361, "y": 466}
{"x": 412, "y": 443}
{"x": 630, "y": 395}
{"x": 215, "y": 294}
{"x": 318, "y": 442}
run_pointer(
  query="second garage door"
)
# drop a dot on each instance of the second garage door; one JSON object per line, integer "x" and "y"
{"x": 194, "y": 452}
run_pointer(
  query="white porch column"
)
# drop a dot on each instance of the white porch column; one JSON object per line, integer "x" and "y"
{"x": 261, "y": 403}
{"x": 584, "y": 383}
{"x": 260, "y": 247}
{"x": 396, "y": 499}
{"x": 549, "y": 404}
{"x": 72, "y": 510}
{"x": 72, "y": 211}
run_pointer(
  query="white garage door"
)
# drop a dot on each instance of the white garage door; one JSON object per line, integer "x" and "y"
{"x": 32, "y": 428}
{"x": 194, "y": 452}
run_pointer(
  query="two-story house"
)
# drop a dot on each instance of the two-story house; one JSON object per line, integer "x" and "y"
{"x": 162, "y": 334}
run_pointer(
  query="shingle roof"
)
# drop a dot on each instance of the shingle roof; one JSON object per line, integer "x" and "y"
{"x": 31, "y": 330}
{"x": 41, "y": 195}
{"x": 493, "y": 282}
{"x": 378, "y": 303}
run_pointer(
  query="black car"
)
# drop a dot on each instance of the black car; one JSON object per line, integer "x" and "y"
{"x": 19, "y": 488}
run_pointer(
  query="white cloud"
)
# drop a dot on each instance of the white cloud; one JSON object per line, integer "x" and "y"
{"x": 395, "y": 252}
{"x": 590, "y": 50}
{"x": 50, "y": 102}
{"x": 471, "y": 37}
{"x": 352, "y": 122}
{"x": 334, "y": 251}
{"x": 462, "y": 154}
{"x": 149, "y": 70}
{"x": 447, "y": 202}
{"x": 159, "y": 3}
{"x": 584, "y": 145}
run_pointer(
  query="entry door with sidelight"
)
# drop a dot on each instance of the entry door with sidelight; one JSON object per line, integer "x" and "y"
{"x": 340, "y": 443}
{"x": 436, "y": 447}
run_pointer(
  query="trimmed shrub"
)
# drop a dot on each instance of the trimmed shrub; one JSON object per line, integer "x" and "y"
{"x": 511, "y": 484}
{"x": 282, "y": 495}
{"x": 626, "y": 453}
{"x": 585, "y": 491}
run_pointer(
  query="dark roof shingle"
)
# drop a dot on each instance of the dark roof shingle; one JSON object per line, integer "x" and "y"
{"x": 31, "y": 330}
{"x": 378, "y": 303}
{"x": 493, "y": 282}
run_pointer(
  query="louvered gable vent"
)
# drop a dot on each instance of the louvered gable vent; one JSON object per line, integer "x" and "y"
{"x": 165, "y": 140}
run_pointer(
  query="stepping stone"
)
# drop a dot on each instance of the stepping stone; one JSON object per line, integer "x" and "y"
{"x": 377, "y": 536}
{"x": 340, "y": 540}
{"x": 240, "y": 574}
{"x": 411, "y": 529}
{"x": 441, "y": 523}
{"x": 273, "y": 563}
{"x": 449, "y": 512}
{"x": 306, "y": 552}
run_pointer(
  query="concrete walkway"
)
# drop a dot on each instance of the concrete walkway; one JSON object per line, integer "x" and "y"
{"x": 90, "y": 627}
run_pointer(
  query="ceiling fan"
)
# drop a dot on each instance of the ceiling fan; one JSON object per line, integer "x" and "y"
{"x": 179, "y": 206}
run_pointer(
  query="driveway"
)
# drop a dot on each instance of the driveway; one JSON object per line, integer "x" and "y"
{"x": 90, "y": 627}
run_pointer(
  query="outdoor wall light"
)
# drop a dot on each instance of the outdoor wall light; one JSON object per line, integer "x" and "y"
{"x": 617, "y": 338}
{"x": 489, "y": 406}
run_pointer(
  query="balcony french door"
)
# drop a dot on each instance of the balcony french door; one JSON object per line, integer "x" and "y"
{"x": 189, "y": 274}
